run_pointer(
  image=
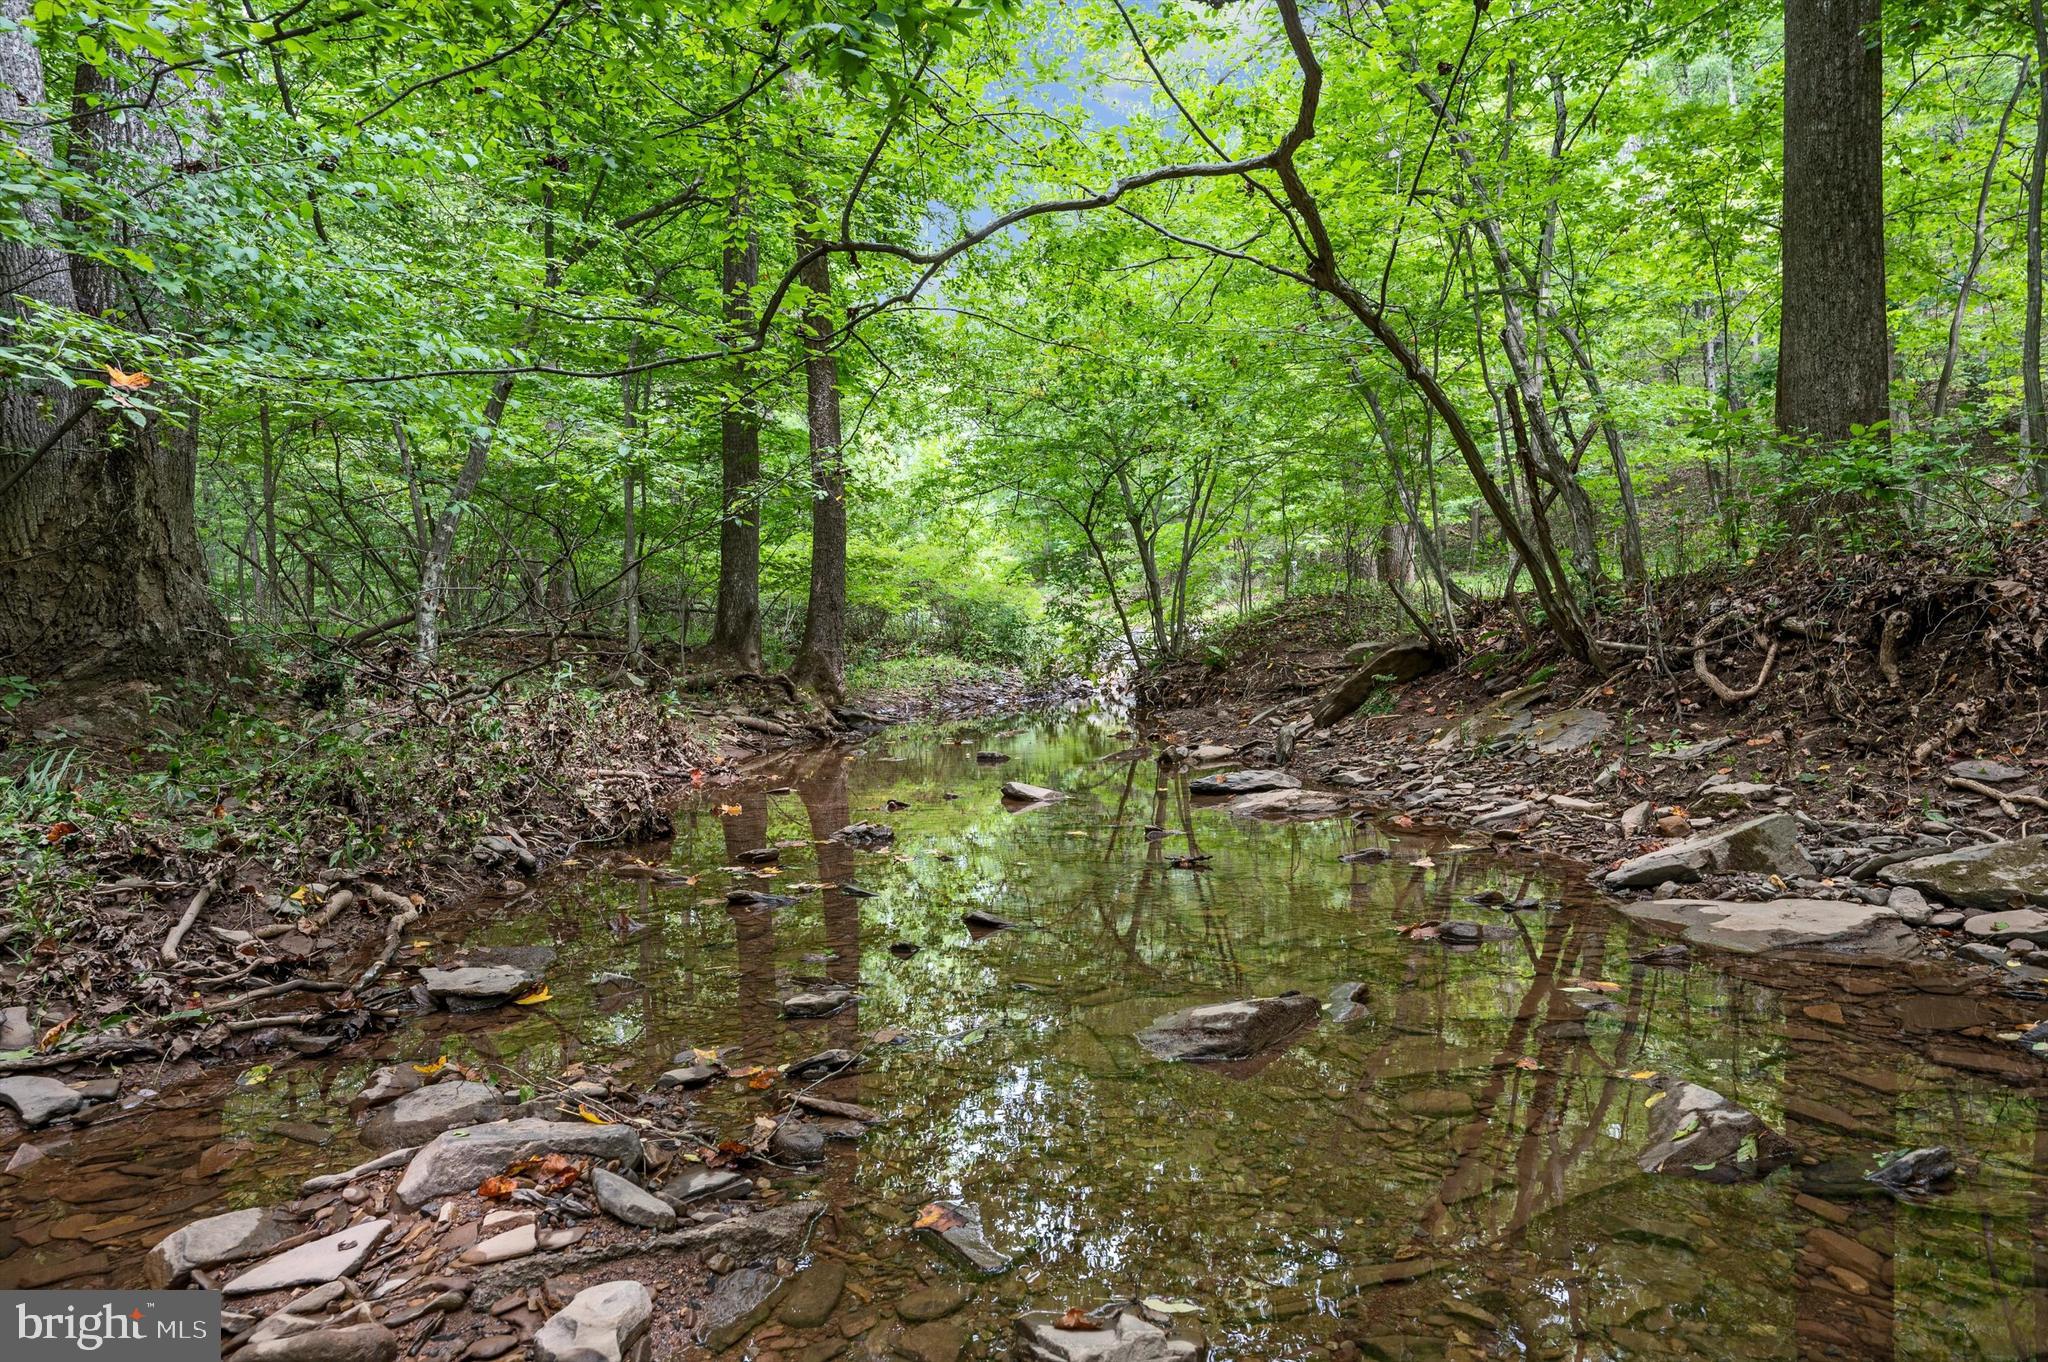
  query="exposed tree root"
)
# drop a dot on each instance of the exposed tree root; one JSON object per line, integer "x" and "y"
{"x": 1726, "y": 693}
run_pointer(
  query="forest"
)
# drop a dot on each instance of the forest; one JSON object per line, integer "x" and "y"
{"x": 644, "y": 644}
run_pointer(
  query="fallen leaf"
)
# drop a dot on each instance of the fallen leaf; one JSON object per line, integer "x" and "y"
{"x": 1641, "y": 1074}
{"x": 538, "y": 996}
{"x": 57, "y": 832}
{"x": 1076, "y": 1318}
{"x": 587, "y": 1114}
{"x": 1654, "y": 1098}
{"x": 729, "y": 811}
{"x": 134, "y": 382}
{"x": 497, "y": 1188}
{"x": 1525, "y": 1062}
{"x": 431, "y": 1069}
{"x": 938, "y": 1218}
{"x": 762, "y": 1081}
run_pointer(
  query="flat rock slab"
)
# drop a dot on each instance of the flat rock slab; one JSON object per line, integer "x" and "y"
{"x": 1986, "y": 772}
{"x": 314, "y": 1264}
{"x": 813, "y": 1295}
{"x": 1021, "y": 791}
{"x": 2030, "y": 923}
{"x": 212, "y": 1241}
{"x": 957, "y": 1227}
{"x": 1804, "y": 927}
{"x": 474, "y": 987}
{"x": 820, "y": 1002}
{"x": 1766, "y": 845}
{"x": 388, "y": 1083}
{"x": 347, "y": 1343}
{"x": 625, "y": 1200}
{"x": 457, "y": 1160}
{"x": 1985, "y": 878}
{"x": 420, "y": 1115}
{"x": 1129, "y": 1337}
{"x": 706, "y": 1184}
{"x": 1243, "y": 783}
{"x": 604, "y": 1323}
{"x": 1567, "y": 730}
{"x": 1233, "y": 1030}
{"x": 1289, "y": 804}
{"x": 38, "y": 1100}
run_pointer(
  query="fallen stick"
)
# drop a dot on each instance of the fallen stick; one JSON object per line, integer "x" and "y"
{"x": 192, "y": 911}
{"x": 394, "y": 932}
{"x": 337, "y": 903}
{"x": 2006, "y": 798}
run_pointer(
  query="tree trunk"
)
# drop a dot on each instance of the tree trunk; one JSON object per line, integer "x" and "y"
{"x": 434, "y": 574}
{"x": 629, "y": 575}
{"x": 1832, "y": 354}
{"x": 2034, "y": 416}
{"x": 1978, "y": 246}
{"x": 100, "y": 565}
{"x": 821, "y": 659}
{"x": 736, "y": 633}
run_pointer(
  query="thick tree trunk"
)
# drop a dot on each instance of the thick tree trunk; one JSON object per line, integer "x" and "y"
{"x": 1833, "y": 363}
{"x": 100, "y": 566}
{"x": 736, "y": 633}
{"x": 821, "y": 660}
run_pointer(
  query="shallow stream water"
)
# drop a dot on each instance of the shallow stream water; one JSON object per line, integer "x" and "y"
{"x": 1451, "y": 1174}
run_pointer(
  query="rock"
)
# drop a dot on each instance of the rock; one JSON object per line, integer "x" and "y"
{"x": 797, "y": 1141}
{"x": 212, "y": 1241}
{"x": 1986, "y": 772}
{"x": 388, "y": 1084}
{"x": 628, "y": 1201}
{"x": 957, "y": 1226}
{"x": 420, "y": 1115}
{"x": 1911, "y": 906}
{"x": 15, "y": 1031}
{"x": 1697, "y": 1129}
{"x": 818, "y": 1002}
{"x": 1673, "y": 825}
{"x": 706, "y": 1184}
{"x": 1565, "y": 731}
{"x": 1129, "y": 1337}
{"x": 494, "y": 852}
{"x": 2019, "y": 924}
{"x": 1815, "y": 928}
{"x": 1982, "y": 953}
{"x": 1766, "y": 845}
{"x": 1460, "y": 933}
{"x": 38, "y": 1100}
{"x": 755, "y": 898}
{"x": 865, "y": 835}
{"x": 314, "y": 1264}
{"x": 603, "y": 1323}
{"x": 474, "y": 987}
{"x": 516, "y": 1242}
{"x": 812, "y": 1295}
{"x": 1243, "y": 783}
{"x": 457, "y": 1160}
{"x": 1635, "y": 819}
{"x": 1017, "y": 790}
{"x": 821, "y": 1064}
{"x": 840, "y": 1111}
{"x": 737, "y": 1304}
{"x": 1289, "y": 804}
{"x": 928, "y": 1303}
{"x": 1987, "y": 878}
{"x": 325, "y": 1182}
{"x": 689, "y": 1076}
{"x": 1381, "y": 664}
{"x": 943, "y": 1342}
{"x": 1349, "y": 1002}
{"x": 350, "y": 1343}
{"x": 1233, "y": 1030}
{"x": 991, "y": 758}
{"x": 1916, "y": 1172}
{"x": 777, "y": 1231}
{"x": 1730, "y": 796}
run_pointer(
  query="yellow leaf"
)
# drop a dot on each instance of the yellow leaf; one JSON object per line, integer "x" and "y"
{"x": 1654, "y": 1098}
{"x": 299, "y": 894}
{"x": 587, "y": 1114}
{"x": 539, "y": 995}
{"x": 728, "y": 811}
{"x": 431, "y": 1069}
{"x": 1527, "y": 1063}
{"x": 1640, "y": 1074}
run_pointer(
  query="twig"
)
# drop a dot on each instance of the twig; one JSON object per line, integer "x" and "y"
{"x": 2006, "y": 798}
{"x": 192, "y": 911}
{"x": 393, "y": 934}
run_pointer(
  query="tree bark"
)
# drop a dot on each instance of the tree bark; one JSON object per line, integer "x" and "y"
{"x": 1978, "y": 245}
{"x": 1833, "y": 362}
{"x": 821, "y": 658}
{"x": 2034, "y": 414}
{"x": 736, "y": 632}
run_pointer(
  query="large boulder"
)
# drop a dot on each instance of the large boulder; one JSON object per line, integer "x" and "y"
{"x": 1697, "y": 1130}
{"x": 422, "y": 1114}
{"x": 322, "y": 1261}
{"x": 1243, "y": 783}
{"x": 210, "y": 1242}
{"x": 1402, "y": 659}
{"x": 1233, "y": 1030}
{"x": 1802, "y": 927}
{"x": 1129, "y": 1337}
{"x": 604, "y": 1323}
{"x": 1986, "y": 878}
{"x": 1767, "y": 845}
{"x": 457, "y": 1160}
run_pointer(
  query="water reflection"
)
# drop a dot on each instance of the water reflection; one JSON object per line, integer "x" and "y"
{"x": 1456, "y": 1168}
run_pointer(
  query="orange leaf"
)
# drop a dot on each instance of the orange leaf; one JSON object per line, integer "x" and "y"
{"x": 134, "y": 382}
{"x": 938, "y": 1219}
{"x": 762, "y": 1080}
{"x": 57, "y": 832}
{"x": 497, "y": 1188}
{"x": 728, "y": 811}
{"x": 1525, "y": 1062}
{"x": 1076, "y": 1318}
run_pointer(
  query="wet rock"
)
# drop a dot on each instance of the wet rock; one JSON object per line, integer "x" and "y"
{"x": 706, "y": 1184}
{"x": 1815, "y": 928}
{"x": 1987, "y": 878}
{"x": 1243, "y": 783}
{"x": 957, "y": 1227}
{"x": 1915, "y": 1173}
{"x": 689, "y": 1076}
{"x": 737, "y": 1304}
{"x": 1020, "y": 792}
{"x": 208, "y": 1243}
{"x": 1460, "y": 933}
{"x": 823, "y": 1063}
{"x": 1233, "y": 1030}
{"x": 314, "y": 1264}
{"x": 817, "y": 1002}
{"x": 1128, "y": 1337}
{"x": 350, "y": 1343}
{"x": 985, "y": 922}
{"x": 1673, "y": 956}
{"x": 457, "y": 1160}
{"x": 2010, "y": 927}
{"x": 760, "y": 856}
{"x": 1349, "y": 1002}
{"x": 625, "y": 1200}
{"x": 1289, "y": 804}
{"x": 15, "y": 1031}
{"x": 991, "y": 758}
{"x": 1986, "y": 772}
{"x": 797, "y": 1142}
{"x": 865, "y": 835}
{"x": 841, "y": 1112}
{"x": 813, "y": 1294}
{"x": 1766, "y": 845}
{"x": 38, "y": 1100}
{"x": 942, "y": 1342}
{"x": 387, "y": 1084}
{"x": 420, "y": 1115}
{"x": 932, "y": 1302}
{"x": 603, "y": 1323}
{"x": 756, "y": 898}
{"x": 474, "y": 987}
{"x": 1695, "y": 1129}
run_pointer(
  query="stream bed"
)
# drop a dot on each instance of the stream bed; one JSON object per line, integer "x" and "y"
{"x": 1451, "y": 1173}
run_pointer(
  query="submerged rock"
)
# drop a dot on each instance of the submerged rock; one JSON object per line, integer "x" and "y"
{"x": 1243, "y": 783}
{"x": 865, "y": 835}
{"x": 1916, "y": 1172}
{"x": 1987, "y": 878}
{"x": 208, "y": 1243}
{"x": 813, "y": 1294}
{"x": 981, "y": 921}
{"x": 1766, "y": 845}
{"x": 1233, "y": 1030}
{"x": 604, "y": 1323}
{"x": 387, "y": 1084}
{"x": 457, "y": 1160}
{"x": 38, "y": 1100}
{"x": 314, "y": 1264}
{"x": 817, "y": 1002}
{"x": 1815, "y": 928}
{"x": 1349, "y": 1002}
{"x": 957, "y": 1227}
{"x": 473, "y": 987}
{"x": 737, "y": 1304}
{"x": 797, "y": 1141}
{"x": 822, "y": 1063}
{"x": 1695, "y": 1129}
{"x": 1125, "y": 1337}
{"x": 420, "y": 1115}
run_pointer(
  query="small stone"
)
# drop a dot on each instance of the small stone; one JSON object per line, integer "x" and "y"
{"x": 38, "y": 1100}
{"x": 604, "y": 1323}
{"x": 627, "y": 1201}
{"x": 797, "y": 1141}
{"x": 689, "y": 1076}
{"x": 16, "y": 1033}
{"x": 823, "y": 1063}
{"x": 819, "y": 1002}
{"x": 1910, "y": 904}
{"x": 932, "y": 1302}
{"x": 513, "y": 1243}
